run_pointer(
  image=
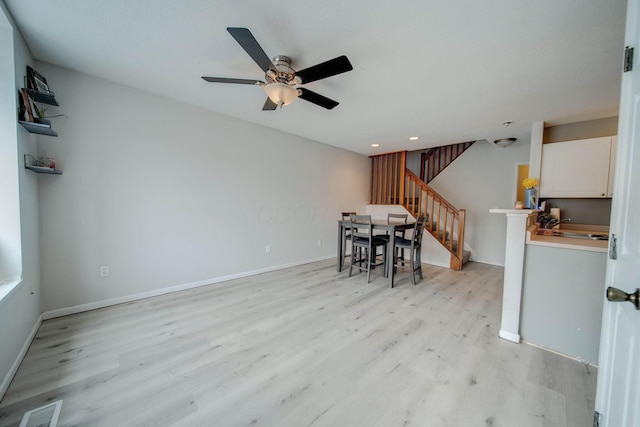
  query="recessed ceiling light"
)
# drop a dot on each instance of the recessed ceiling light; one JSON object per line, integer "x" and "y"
{"x": 414, "y": 138}
{"x": 375, "y": 145}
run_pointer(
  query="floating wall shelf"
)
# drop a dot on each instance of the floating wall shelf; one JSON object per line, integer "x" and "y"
{"x": 39, "y": 169}
{"x": 38, "y": 128}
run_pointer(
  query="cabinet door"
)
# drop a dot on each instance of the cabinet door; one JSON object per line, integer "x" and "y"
{"x": 612, "y": 164}
{"x": 575, "y": 168}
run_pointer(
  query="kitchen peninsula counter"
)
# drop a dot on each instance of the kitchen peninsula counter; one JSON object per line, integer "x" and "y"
{"x": 553, "y": 287}
{"x": 563, "y": 291}
{"x": 569, "y": 242}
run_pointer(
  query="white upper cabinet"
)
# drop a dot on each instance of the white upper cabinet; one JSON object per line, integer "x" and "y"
{"x": 582, "y": 168}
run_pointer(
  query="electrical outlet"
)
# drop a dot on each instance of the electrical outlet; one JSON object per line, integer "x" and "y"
{"x": 267, "y": 249}
{"x": 319, "y": 242}
{"x": 104, "y": 270}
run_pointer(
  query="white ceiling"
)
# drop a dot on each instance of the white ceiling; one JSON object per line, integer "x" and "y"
{"x": 446, "y": 70}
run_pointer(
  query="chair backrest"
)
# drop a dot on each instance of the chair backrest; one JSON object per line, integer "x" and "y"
{"x": 418, "y": 230}
{"x": 347, "y": 215}
{"x": 361, "y": 226}
{"x": 397, "y": 218}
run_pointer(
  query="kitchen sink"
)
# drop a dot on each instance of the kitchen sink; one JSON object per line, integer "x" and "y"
{"x": 573, "y": 234}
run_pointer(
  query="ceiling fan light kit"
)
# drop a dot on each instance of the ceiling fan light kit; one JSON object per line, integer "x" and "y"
{"x": 281, "y": 79}
{"x": 280, "y": 93}
{"x": 504, "y": 142}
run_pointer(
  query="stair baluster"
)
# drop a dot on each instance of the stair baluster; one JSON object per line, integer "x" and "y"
{"x": 436, "y": 159}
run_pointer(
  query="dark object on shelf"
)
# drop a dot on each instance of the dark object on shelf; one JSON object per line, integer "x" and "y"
{"x": 43, "y": 97}
{"x": 26, "y": 112}
{"x": 38, "y": 88}
{"x": 39, "y": 128}
{"x": 36, "y": 81}
{"x": 38, "y": 166}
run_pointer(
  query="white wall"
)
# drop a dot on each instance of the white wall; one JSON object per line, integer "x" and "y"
{"x": 167, "y": 194}
{"x": 19, "y": 310}
{"x": 483, "y": 178}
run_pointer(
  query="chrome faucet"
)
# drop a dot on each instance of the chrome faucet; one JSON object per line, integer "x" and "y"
{"x": 555, "y": 222}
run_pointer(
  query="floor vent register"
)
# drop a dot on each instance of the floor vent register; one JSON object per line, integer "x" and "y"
{"x": 44, "y": 416}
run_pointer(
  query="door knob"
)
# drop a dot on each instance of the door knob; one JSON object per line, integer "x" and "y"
{"x": 617, "y": 295}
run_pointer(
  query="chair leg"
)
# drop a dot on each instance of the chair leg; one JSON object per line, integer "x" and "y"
{"x": 353, "y": 253}
{"x": 419, "y": 256}
{"x": 369, "y": 254}
{"x": 385, "y": 265}
{"x": 395, "y": 259}
{"x": 344, "y": 249}
{"x": 413, "y": 268}
{"x": 392, "y": 267}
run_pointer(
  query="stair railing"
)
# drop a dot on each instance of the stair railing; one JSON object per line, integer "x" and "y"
{"x": 446, "y": 223}
{"x": 387, "y": 178}
{"x": 436, "y": 159}
{"x": 393, "y": 184}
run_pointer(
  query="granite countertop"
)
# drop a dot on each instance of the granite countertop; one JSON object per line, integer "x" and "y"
{"x": 568, "y": 242}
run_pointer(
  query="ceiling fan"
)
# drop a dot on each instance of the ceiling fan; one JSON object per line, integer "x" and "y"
{"x": 282, "y": 80}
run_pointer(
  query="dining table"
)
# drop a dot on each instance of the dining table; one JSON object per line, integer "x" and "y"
{"x": 376, "y": 224}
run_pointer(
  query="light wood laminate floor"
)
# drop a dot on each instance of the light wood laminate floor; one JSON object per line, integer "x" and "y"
{"x": 303, "y": 346}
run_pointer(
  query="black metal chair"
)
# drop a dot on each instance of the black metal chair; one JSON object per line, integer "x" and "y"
{"x": 414, "y": 245}
{"x": 363, "y": 238}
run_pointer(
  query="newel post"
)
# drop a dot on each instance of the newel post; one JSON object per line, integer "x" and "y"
{"x": 460, "y": 250}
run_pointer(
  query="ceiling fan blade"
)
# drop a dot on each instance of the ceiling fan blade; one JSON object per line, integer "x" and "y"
{"x": 269, "y": 105}
{"x": 237, "y": 81}
{"x": 329, "y": 68}
{"x": 317, "y": 99}
{"x": 245, "y": 39}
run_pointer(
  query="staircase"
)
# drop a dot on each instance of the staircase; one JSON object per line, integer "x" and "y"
{"x": 393, "y": 184}
{"x": 435, "y": 160}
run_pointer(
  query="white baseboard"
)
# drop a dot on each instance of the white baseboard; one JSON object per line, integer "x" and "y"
{"x": 577, "y": 359}
{"x": 177, "y": 288}
{"x": 16, "y": 364}
{"x": 435, "y": 263}
{"x": 510, "y": 336}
